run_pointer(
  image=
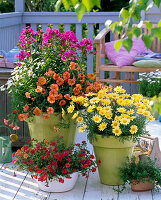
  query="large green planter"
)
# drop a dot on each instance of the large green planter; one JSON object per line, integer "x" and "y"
{"x": 52, "y": 128}
{"x": 112, "y": 154}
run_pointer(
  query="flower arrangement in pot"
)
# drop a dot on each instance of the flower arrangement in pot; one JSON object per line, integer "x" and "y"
{"x": 143, "y": 175}
{"x": 51, "y": 69}
{"x": 54, "y": 165}
{"x": 113, "y": 120}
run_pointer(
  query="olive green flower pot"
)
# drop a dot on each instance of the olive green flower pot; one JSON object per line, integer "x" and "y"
{"x": 5, "y": 149}
{"x": 112, "y": 154}
{"x": 53, "y": 128}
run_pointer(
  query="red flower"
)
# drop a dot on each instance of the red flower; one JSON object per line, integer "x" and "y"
{"x": 33, "y": 151}
{"x": 62, "y": 102}
{"x": 56, "y": 76}
{"x": 35, "y": 176}
{"x": 94, "y": 169}
{"x": 15, "y": 111}
{"x": 51, "y": 99}
{"x": 57, "y": 156}
{"x": 31, "y": 161}
{"x": 53, "y": 92}
{"x": 72, "y": 65}
{"x": 59, "y": 97}
{"x": 52, "y": 143}
{"x": 85, "y": 166}
{"x": 42, "y": 80}
{"x": 39, "y": 171}
{"x": 11, "y": 125}
{"x": 45, "y": 173}
{"x": 25, "y": 162}
{"x": 46, "y": 116}
{"x": 50, "y": 110}
{"x": 64, "y": 171}
{"x": 43, "y": 157}
{"x": 92, "y": 156}
{"x": 79, "y": 86}
{"x": 67, "y": 165}
{"x": 26, "y": 107}
{"x": 38, "y": 146}
{"x": 61, "y": 180}
{"x": 37, "y": 111}
{"x": 27, "y": 94}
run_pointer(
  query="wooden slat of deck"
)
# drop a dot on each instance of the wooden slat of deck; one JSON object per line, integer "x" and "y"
{"x": 30, "y": 191}
{"x": 9, "y": 185}
{"x": 156, "y": 195}
{"x": 97, "y": 191}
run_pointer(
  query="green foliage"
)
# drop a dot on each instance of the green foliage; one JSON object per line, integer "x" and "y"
{"x": 150, "y": 84}
{"x": 139, "y": 171}
{"x": 6, "y": 6}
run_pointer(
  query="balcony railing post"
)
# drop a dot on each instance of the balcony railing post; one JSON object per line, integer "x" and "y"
{"x": 19, "y": 5}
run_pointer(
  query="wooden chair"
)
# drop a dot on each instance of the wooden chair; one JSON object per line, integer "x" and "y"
{"x": 129, "y": 70}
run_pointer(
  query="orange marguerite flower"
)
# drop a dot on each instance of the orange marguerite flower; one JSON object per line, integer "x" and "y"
{"x": 46, "y": 116}
{"x": 25, "y": 156}
{"x": 54, "y": 87}
{"x": 27, "y": 95}
{"x": 59, "y": 96}
{"x": 60, "y": 81}
{"x": 72, "y": 65}
{"x": 76, "y": 91}
{"x": 67, "y": 96}
{"x": 21, "y": 117}
{"x": 43, "y": 91}
{"x": 42, "y": 80}
{"x": 56, "y": 76}
{"x": 37, "y": 111}
{"x": 91, "y": 76}
{"x": 51, "y": 99}
{"x": 53, "y": 92}
{"x": 39, "y": 89}
{"x": 71, "y": 82}
{"x": 26, "y": 107}
{"x": 62, "y": 102}
{"x": 78, "y": 86}
{"x": 50, "y": 110}
{"x": 66, "y": 75}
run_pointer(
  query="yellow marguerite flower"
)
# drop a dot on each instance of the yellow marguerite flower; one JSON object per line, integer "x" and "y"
{"x": 80, "y": 99}
{"x": 114, "y": 95}
{"x": 82, "y": 128}
{"x": 127, "y": 102}
{"x": 117, "y": 118}
{"x": 80, "y": 119}
{"x": 117, "y": 89}
{"x": 125, "y": 121}
{"x": 90, "y": 109}
{"x": 146, "y": 113}
{"x": 143, "y": 107}
{"x": 102, "y": 112}
{"x": 70, "y": 109}
{"x": 122, "y": 91}
{"x": 102, "y": 126}
{"x": 120, "y": 101}
{"x": 121, "y": 110}
{"x": 139, "y": 104}
{"x": 99, "y": 108}
{"x": 151, "y": 118}
{"x": 108, "y": 115}
{"x": 117, "y": 131}
{"x": 75, "y": 115}
{"x": 140, "y": 111}
{"x": 132, "y": 117}
{"x": 97, "y": 118}
{"x": 133, "y": 129}
{"x": 115, "y": 124}
{"x": 94, "y": 100}
{"x": 109, "y": 95}
{"x": 106, "y": 101}
{"x": 145, "y": 101}
{"x": 63, "y": 112}
{"x": 108, "y": 108}
{"x": 130, "y": 112}
{"x": 124, "y": 116}
{"x": 86, "y": 104}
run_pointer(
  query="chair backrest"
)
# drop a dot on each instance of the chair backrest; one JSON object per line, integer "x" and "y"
{"x": 156, "y": 44}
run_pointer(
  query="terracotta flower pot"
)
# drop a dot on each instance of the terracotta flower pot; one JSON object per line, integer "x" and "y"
{"x": 142, "y": 186}
{"x": 56, "y": 186}
{"x": 112, "y": 153}
{"x": 41, "y": 128}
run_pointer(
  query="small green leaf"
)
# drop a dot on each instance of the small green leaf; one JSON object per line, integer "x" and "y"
{"x": 80, "y": 10}
{"x": 74, "y": 2}
{"x": 157, "y": 32}
{"x": 127, "y": 44}
{"x": 88, "y": 4}
{"x": 157, "y": 2}
{"x": 136, "y": 31}
{"x": 148, "y": 24}
{"x": 113, "y": 25}
{"x": 124, "y": 13}
{"x": 57, "y": 5}
{"x": 159, "y": 23}
{"x": 118, "y": 45}
{"x": 66, "y": 4}
{"x": 97, "y": 3}
{"x": 108, "y": 23}
{"x": 148, "y": 39}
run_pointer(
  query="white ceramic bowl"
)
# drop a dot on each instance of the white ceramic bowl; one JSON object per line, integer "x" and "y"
{"x": 56, "y": 186}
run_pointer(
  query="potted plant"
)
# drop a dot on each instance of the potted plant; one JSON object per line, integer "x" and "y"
{"x": 54, "y": 165}
{"x": 143, "y": 175}
{"x": 50, "y": 70}
{"x": 114, "y": 121}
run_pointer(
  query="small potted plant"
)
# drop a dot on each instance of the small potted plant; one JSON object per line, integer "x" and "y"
{"x": 114, "y": 120}
{"x": 54, "y": 165}
{"x": 142, "y": 175}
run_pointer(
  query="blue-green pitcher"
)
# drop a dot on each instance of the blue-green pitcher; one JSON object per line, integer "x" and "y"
{"x": 5, "y": 149}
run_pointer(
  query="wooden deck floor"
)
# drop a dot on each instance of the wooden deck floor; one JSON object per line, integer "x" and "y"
{"x": 22, "y": 187}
